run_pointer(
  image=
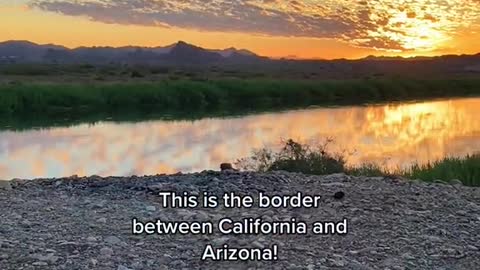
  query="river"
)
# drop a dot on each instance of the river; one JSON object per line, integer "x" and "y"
{"x": 393, "y": 135}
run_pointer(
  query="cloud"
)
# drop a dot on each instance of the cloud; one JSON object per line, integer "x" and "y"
{"x": 393, "y": 25}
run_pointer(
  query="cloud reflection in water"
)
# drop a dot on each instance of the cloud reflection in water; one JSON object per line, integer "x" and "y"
{"x": 394, "y": 135}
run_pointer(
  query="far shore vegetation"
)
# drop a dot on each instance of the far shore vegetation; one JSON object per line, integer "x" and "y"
{"x": 216, "y": 95}
{"x": 318, "y": 160}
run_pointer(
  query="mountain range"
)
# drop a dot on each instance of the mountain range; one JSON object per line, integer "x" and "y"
{"x": 178, "y": 53}
{"x": 184, "y": 54}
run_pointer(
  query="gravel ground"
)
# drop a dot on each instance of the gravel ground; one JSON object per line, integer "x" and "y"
{"x": 86, "y": 223}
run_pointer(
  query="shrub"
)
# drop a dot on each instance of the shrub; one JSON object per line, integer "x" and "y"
{"x": 28, "y": 70}
{"x": 136, "y": 74}
{"x": 295, "y": 157}
{"x": 159, "y": 70}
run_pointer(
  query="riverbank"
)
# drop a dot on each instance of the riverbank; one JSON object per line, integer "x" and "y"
{"x": 217, "y": 95}
{"x": 319, "y": 160}
{"x": 85, "y": 223}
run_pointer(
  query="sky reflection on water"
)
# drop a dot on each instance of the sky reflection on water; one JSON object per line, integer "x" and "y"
{"x": 392, "y": 135}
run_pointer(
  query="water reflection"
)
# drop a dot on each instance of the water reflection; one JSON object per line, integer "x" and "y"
{"x": 394, "y": 135}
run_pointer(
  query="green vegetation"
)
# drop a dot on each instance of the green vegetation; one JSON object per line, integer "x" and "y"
{"x": 297, "y": 157}
{"x": 465, "y": 169}
{"x": 217, "y": 95}
{"x": 27, "y": 70}
{"x": 19, "y": 122}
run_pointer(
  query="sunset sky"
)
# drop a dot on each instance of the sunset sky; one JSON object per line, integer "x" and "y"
{"x": 277, "y": 28}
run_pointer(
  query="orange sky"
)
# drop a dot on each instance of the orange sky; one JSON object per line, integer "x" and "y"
{"x": 305, "y": 29}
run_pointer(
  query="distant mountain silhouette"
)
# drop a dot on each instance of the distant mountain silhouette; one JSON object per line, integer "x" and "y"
{"x": 230, "y": 51}
{"x": 25, "y": 50}
{"x": 184, "y": 54}
{"x": 177, "y": 53}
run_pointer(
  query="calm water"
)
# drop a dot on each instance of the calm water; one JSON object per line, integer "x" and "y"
{"x": 392, "y": 135}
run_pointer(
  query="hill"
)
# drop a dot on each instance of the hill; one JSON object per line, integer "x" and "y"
{"x": 178, "y": 53}
{"x": 239, "y": 61}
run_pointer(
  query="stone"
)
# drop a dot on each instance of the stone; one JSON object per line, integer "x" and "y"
{"x": 99, "y": 205}
{"x": 257, "y": 244}
{"x": 67, "y": 243}
{"x": 339, "y": 195}
{"x": 106, "y": 251}
{"x": 179, "y": 264}
{"x": 226, "y": 166}
{"x": 26, "y": 223}
{"x": 157, "y": 187}
{"x": 102, "y": 220}
{"x": 220, "y": 241}
{"x": 113, "y": 240}
{"x": 5, "y": 185}
{"x": 91, "y": 239}
{"x": 46, "y": 258}
{"x": 201, "y": 215}
{"x": 334, "y": 184}
{"x": 338, "y": 262}
{"x": 150, "y": 208}
{"x": 93, "y": 261}
{"x": 472, "y": 247}
{"x": 416, "y": 219}
{"x": 336, "y": 177}
{"x": 438, "y": 181}
{"x": 456, "y": 182}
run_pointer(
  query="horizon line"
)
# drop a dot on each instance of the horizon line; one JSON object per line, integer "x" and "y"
{"x": 287, "y": 57}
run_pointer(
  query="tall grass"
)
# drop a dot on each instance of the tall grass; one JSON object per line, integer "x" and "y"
{"x": 297, "y": 157}
{"x": 465, "y": 169}
{"x": 216, "y": 95}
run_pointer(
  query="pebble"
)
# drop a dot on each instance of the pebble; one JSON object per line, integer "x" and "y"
{"x": 89, "y": 225}
{"x": 201, "y": 215}
{"x": 5, "y": 185}
{"x": 91, "y": 239}
{"x": 438, "y": 181}
{"x": 339, "y": 195}
{"x": 456, "y": 182}
{"x": 99, "y": 205}
{"x": 45, "y": 258}
{"x": 472, "y": 247}
{"x": 338, "y": 262}
{"x": 39, "y": 264}
{"x": 220, "y": 241}
{"x": 102, "y": 220}
{"x": 150, "y": 208}
{"x": 93, "y": 261}
{"x": 106, "y": 251}
{"x": 257, "y": 244}
{"x": 113, "y": 240}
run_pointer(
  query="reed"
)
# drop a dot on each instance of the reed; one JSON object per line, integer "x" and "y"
{"x": 218, "y": 95}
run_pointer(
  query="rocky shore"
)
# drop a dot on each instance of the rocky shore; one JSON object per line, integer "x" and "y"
{"x": 86, "y": 223}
